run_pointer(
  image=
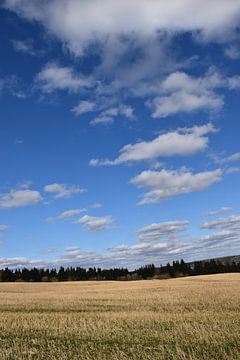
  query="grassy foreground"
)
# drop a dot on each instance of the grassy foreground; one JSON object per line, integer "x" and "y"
{"x": 187, "y": 318}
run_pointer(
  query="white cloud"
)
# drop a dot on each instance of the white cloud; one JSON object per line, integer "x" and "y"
{"x": 223, "y": 223}
{"x": 18, "y": 142}
{"x": 165, "y": 184}
{"x": 181, "y": 142}
{"x": 102, "y": 120}
{"x": 20, "y": 198}
{"x": 231, "y": 158}
{"x": 72, "y": 249}
{"x": 96, "y": 206}
{"x": 225, "y": 233}
{"x": 148, "y": 249}
{"x": 120, "y": 30}
{"x": 61, "y": 191}
{"x": 161, "y": 230}
{"x": 108, "y": 109}
{"x": 94, "y": 162}
{"x": 234, "y": 82}
{"x": 51, "y": 250}
{"x": 83, "y": 107}
{"x": 11, "y": 84}
{"x": 54, "y": 77}
{"x": 50, "y": 219}
{"x": 218, "y": 211}
{"x": 179, "y": 102}
{"x": 79, "y": 23}
{"x": 234, "y": 157}
{"x": 13, "y": 262}
{"x": 26, "y": 47}
{"x": 94, "y": 223}
{"x": 70, "y": 213}
{"x": 180, "y": 92}
{"x": 232, "y": 52}
{"x": 219, "y": 239}
{"x": 232, "y": 170}
{"x": 108, "y": 116}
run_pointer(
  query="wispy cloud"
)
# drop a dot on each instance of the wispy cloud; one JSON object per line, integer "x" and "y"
{"x": 96, "y": 206}
{"x": 161, "y": 230}
{"x": 107, "y": 116}
{"x": 70, "y": 213}
{"x": 27, "y": 47}
{"x": 232, "y": 52}
{"x": 217, "y": 212}
{"x": 227, "y": 159}
{"x": 61, "y": 191}
{"x": 148, "y": 249}
{"x": 94, "y": 223}
{"x": 11, "y": 84}
{"x": 3, "y": 228}
{"x": 223, "y": 223}
{"x": 55, "y": 77}
{"x": 83, "y": 107}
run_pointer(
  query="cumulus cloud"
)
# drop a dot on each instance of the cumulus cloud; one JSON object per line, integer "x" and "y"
{"x": 94, "y": 223}
{"x": 148, "y": 249}
{"x": 161, "y": 230}
{"x": 79, "y": 23}
{"x": 61, "y": 191}
{"x": 116, "y": 33}
{"x": 181, "y": 142}
{"x": 180, "y": 92}
{"x": 218, "y": 211}
{"x": 20, "y": 198}
{"x": 55, "y": 77}
{"x": 165, "y": 184}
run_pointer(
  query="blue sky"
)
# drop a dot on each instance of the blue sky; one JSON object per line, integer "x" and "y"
{"x": 119, "y": 131}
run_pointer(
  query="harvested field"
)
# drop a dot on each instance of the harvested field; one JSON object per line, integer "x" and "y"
{"x": 186, "y": 318}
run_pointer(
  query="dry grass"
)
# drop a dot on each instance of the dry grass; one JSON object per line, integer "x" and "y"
{"x": 187, "y": 318}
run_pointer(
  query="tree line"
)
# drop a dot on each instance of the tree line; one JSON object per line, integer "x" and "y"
{"x": 170, "y": 270}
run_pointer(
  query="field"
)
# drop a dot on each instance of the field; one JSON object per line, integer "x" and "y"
{"x": 186, "y": 318}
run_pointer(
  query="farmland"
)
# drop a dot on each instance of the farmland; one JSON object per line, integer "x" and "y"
{"x": 195, "y": 318}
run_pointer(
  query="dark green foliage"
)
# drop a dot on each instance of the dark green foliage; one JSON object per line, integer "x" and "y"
{"x": 176, "y": 269}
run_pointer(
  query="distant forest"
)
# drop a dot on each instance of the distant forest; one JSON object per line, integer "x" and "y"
{"x": 173, "y": 270}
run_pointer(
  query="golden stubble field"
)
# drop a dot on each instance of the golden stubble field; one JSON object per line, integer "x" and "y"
{"x": 186, "y": 318}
